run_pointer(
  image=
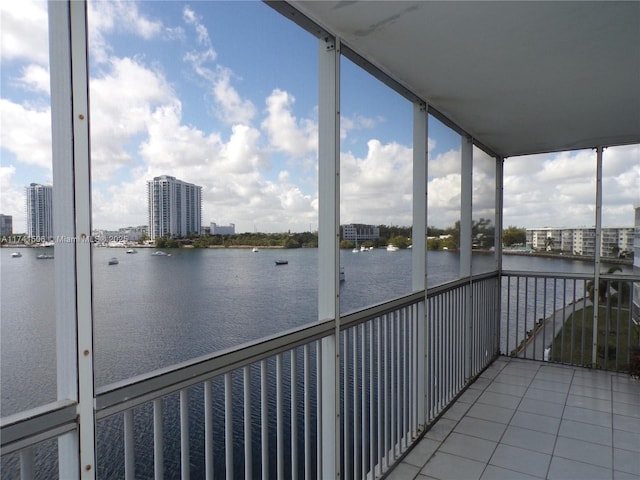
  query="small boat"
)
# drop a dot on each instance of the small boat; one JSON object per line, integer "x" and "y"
{"x": 282, "y": 262}
{"x": 132, "y": 250}
{"x": 392, "y": 248}
{"x": 255, "y": 250}
{"x": 16, "y": 255}
{"x": 44, "y": 257}
{"x": 113, "y": 261}
{"x": 160, "y": 253}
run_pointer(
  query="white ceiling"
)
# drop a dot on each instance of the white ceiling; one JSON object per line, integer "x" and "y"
{"x": 519, "y": 77}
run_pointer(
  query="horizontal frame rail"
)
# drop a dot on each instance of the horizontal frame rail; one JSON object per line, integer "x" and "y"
{"x": 38, "y": 424}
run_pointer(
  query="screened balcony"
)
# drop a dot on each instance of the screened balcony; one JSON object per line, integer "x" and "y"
{"x": 496, "y": 374}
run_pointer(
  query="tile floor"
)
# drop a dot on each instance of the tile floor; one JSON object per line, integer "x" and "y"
{"x": 529, "y": 420}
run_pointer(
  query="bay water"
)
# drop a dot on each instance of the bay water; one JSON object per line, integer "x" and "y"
{"x": 155, "y": 311}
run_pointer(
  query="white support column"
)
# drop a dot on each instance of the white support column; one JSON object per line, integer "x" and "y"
{"x": 64, "y": 225}
{"x": 596, "y": 254}
{"x": 466, "y": 212}
{"x": 72, "y": 220}
{"x": 419, "y": 249}
{"x": 499, "y": 212}
{"x": 466, "y": 196}
{"x": 328, "y": 249}
{"x": 498, "y": 243}
{"x": 82, "y": 191}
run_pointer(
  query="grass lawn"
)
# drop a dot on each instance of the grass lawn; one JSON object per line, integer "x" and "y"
{"x": 572, "y": 344}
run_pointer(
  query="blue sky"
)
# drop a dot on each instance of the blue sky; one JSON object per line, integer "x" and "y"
{"x": 224, "y": 95}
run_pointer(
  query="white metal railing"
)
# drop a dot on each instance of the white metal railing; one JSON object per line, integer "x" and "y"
{"x": 551, "y": 317}
{"x": 252, "y": 411}
{"x": 463, "y": 334}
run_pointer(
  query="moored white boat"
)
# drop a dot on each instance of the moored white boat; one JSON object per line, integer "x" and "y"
{"x": 113, "y": 261}
{"x": 392, "y": 248}
{"x": 16, "y": 255}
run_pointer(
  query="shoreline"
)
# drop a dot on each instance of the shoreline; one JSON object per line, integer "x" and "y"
{"x": 565, "y": 256}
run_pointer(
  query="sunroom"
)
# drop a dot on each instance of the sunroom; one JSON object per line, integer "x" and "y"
{"x": 410, "y": 386}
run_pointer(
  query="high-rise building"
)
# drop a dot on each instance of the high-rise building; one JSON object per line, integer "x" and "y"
{"x": 6, "y": 224}
{"x": 175, "y": 207}
{"x": 39, "y": 205}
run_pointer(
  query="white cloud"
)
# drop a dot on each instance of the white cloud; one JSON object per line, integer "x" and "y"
{"x": 122, "y": 104}
{"x": 191, "y": 18}
{"x": 357, "y": 122}
{"x": 26, "y": 133}
{"x": 286, "y": 133}
{"x": 117, "y": 16}
{"x": 22, "y": 20}
{"x": 445, "y": 164}
{"x": 377, "y": 188}
{"x": 12, "y": 198}
{"x": 36, "y": 78}
{"x": 567, "y": 166}
{"x": 559, "y": 189}
{"x": 234, "y": 109}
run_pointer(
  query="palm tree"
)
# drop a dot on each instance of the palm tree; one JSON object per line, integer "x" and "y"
{"x": 602, "y": 286}
{"x": 548, "y": 244}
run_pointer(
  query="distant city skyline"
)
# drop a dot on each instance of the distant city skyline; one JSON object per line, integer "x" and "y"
{"x": 224, "y": 95}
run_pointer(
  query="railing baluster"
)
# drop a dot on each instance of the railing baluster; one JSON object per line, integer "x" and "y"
{"x": 385, "y": 389}
{"x": 346, "y": 417}
{"x": 129, "y": 446}
{"x": 379, "y": 412}
{"x": 307, "y": 411}
{"x": 26, "y": 463}
{"x": 184, "y": 434}
{"x": 373, "y": 417}
{"x": 584, "y": 305}
{"x": 248, "y": 446}
{"x": 319, "y": 408}
{"x": 517, "y": 344}
{"x": 279, "y": 419}
{"x": 363, "y": 401}
{"x": 355, "y": 405}
{"x": 208, "y": 430}
{"x": 508, "y": 317}
{"x": 158, "y": 455}
{"x": 228, "y": 425}
{"x": 544, "y": 320}
{"x": 294, "y": 415}
{"x": 264, "y": 420}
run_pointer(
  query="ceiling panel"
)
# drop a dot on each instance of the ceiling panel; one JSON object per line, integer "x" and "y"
{"x": 520, "y": 77}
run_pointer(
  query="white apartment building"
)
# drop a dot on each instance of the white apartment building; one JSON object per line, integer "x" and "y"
{"x": 39, "y": 207}
{"x": 223, "y": 229}
{"x": 360, "y": 232}
{"x": 175, "y": 207}
{"x": 582, "y": 241}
